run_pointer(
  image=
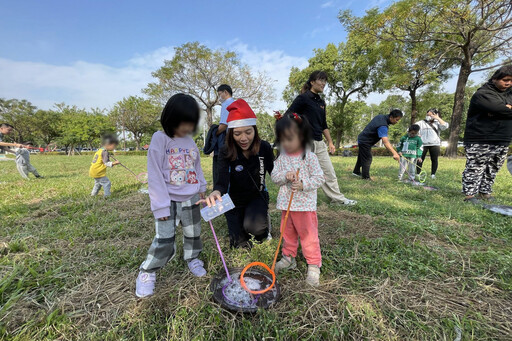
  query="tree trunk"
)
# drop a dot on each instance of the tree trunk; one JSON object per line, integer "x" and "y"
{"x": 209, "y": 116}
{"x": 339, "y": 134}
{"x": 414, "y": 105}
{"x": 458, "y": 107}
{"x": 137, "y": 143}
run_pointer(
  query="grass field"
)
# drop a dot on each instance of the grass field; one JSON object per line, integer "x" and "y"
{"x": 405, "y": 263}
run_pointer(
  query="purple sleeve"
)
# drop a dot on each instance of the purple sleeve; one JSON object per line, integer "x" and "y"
{"x": 200, "y": 174}
{"x": 157, "y": 188}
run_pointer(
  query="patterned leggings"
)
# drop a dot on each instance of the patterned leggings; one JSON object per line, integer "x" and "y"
{"x": 483, "y": 161}
{"x": 163, "y": 248}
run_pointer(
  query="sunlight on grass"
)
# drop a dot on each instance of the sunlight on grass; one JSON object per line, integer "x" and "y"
{"x": 405, "y": 263}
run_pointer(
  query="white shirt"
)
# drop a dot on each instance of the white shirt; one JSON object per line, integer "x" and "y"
{"x": 429, "y": 137}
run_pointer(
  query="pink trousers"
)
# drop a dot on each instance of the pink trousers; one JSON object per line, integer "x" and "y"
{"x": 303, "y": 225}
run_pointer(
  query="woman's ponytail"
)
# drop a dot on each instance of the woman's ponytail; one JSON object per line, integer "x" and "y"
{"x": 315, "y": 75}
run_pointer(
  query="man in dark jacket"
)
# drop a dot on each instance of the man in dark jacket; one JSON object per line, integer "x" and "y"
{"x": 375, "y": 130}
{"x": 488, "y": 135}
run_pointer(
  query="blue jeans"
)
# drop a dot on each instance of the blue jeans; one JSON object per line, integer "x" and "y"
{"x": 101, "y": 182}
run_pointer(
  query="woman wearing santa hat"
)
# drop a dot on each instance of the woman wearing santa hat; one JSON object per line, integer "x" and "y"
{"x": 242, "y": 164}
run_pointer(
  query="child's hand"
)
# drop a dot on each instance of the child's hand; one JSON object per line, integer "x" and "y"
{"x": 202, "y": 195}
{"x": 420, "y": 161}
{"x": 163, "y": 218}
{"x": 115, "y": 163}
{"x": 291, "y": 176}
{"x": 297, "y": 186}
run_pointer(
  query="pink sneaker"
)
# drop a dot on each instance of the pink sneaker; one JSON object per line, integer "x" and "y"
{"x": 145, "y": 284}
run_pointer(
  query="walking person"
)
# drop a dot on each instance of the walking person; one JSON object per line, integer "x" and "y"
{"x": 488, "y": 135}
{"x": 22, "y": 154}
{"x": 310, "y": 105}
{"x": 376, "y": 130}
{"x": 243, "y": 163}
{"x": 430, "y": 131}
{"x": 23, "y": 162}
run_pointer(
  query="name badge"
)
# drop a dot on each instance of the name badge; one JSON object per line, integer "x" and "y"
{"x": 239, "y": 168}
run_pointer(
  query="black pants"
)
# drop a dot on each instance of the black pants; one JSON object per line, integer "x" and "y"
{"x": 244, "y": 221}
{"x": 215, "y": 170}
{"x": 435, "y": 151}
{"x": 364, "y": 161}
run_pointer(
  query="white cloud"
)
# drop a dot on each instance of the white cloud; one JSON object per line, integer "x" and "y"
{"x": 80, "y": 83}
{"x": 274, "y": 63}
{"x": 88, "y": 84}
{"x": 327, "y": 4}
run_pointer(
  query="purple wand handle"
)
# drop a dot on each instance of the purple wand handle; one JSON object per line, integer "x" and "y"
{"x": 220, "y": 251}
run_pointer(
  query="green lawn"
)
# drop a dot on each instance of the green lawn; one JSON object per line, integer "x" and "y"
{"x": 405, "y": 263}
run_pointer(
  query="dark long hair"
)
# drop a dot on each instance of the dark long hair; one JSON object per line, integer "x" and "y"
{"x": 286, "y": 123}
{"x": 314, "y": 76}
{"x": 232, "y": 147}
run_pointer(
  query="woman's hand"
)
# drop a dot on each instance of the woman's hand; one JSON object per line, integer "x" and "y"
{"x": 210, "y": 200}
{"x": 291, "y": 176}
{"x": 163, "y": 218}
{"x": 509, "y": 106}
{"x": 332, "y": 149}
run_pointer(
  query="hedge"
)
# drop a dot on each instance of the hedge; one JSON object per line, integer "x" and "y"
{"x": 382, "y": 151}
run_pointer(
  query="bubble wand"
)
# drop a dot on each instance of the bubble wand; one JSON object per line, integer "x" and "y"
{"x": 263, "y": 265}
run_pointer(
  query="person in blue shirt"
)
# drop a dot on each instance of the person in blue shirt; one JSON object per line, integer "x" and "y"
{"x": 375, "y": 130}
{"x": 226, "y": 98}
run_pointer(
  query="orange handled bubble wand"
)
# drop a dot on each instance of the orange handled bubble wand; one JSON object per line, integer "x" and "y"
{"x": 263, "y": 265}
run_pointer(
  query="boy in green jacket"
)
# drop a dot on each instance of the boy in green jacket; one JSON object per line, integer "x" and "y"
{"x": 410, "y": 150}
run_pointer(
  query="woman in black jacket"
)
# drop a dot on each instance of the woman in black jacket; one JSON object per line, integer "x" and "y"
{"x": 488, "y": 135}
{"x": 242, "y": 164}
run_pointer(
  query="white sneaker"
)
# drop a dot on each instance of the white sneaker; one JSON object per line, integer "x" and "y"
{"x": 285, "y": 263}
{"x": 433, "y": 176}
{"x": 313, "y": 276}
{"x": 145, "y": 284}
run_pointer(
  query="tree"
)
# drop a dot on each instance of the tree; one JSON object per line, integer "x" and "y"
{"x": 136, "y": 115}
{"x": 197, "y": 70}
{"x": 410, "y": 63}
{"x": 471, "y": 33}
{"x": 266, "y": 127}
{"x": 48, "y": 127}
{"x": 353, "y": 68}
{"x": 20, "y": 114}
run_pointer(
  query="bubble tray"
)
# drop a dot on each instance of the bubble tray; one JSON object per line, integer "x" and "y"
{"x": 236, "y": 299}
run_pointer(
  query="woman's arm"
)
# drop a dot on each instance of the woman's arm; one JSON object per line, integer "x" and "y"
{"x": 491, "y": 103}
{"x": 224, "y": 175}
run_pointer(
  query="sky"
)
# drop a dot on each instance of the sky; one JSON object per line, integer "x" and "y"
{"x": 93, "y": 53}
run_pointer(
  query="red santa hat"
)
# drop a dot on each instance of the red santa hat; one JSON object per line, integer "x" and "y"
{"x": 240, "y": 114}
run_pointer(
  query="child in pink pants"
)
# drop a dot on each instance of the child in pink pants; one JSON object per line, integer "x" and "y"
{"x": 293, "y": 136}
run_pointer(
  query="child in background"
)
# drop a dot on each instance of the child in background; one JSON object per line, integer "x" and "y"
{"x": 175, "y": 184}
{"x": 410, "y": 150}
{"x": 23, "y": 162}
{"x": 293, "y": 136}
{"x": 100, "y": 162}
